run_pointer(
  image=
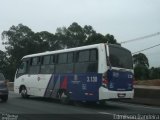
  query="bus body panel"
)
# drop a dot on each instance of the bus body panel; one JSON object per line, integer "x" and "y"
{"x": 35, "y": 84}
{"x": 81, "y": 87}
{"x": 105, "y": 94}
{"x": 120, "y": 80}
{"x": 102, "y": 61}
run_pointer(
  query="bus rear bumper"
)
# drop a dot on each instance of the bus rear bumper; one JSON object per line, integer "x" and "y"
{"x": 105, "y": 94}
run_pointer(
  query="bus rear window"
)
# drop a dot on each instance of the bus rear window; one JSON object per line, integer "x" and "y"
{"x": 120, "y": 57}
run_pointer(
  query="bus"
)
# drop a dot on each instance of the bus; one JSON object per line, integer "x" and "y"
{"x": 94, "y": 73}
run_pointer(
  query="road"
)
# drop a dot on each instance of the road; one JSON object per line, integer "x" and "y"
{"x": 40, "y": 108}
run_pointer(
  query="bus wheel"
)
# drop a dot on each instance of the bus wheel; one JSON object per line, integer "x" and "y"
{"x": 24, "y": 92}
{"x": 64, "y": 97}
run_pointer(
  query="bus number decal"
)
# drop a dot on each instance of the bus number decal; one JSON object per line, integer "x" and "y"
{"x": 92, "y": 79}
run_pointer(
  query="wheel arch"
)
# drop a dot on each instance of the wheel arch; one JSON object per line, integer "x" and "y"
{"x": 20, "y": 88}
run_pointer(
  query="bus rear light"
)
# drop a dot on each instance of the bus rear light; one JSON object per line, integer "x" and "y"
{"x": 105, "y": 82}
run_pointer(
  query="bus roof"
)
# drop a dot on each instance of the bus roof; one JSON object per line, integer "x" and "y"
{"x": 64, "y": 50}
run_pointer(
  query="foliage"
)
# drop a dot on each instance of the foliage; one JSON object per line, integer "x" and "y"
{"x": 141, "y": 72}
{"x": 21, "y": 40}
{"x": 141, "y": 65}
{"x": 141, "y": 68}
{"x": 140, "y": 59}
{"x": 75, "y": 36}
{"x": 155, "y": 73}
{"x": 3, "y": 62}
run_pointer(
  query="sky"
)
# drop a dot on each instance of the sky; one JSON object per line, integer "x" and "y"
{"x": 125, "y": 19}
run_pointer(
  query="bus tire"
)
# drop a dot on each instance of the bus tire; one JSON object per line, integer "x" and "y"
{"x": 64, "y": 97}
{"x": 23, "y": 92}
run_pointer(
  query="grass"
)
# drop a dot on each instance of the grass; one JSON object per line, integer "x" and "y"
{"x": 148, "y": 82}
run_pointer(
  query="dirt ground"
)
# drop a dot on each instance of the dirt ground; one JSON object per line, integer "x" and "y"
{"x": 148, "y": 82}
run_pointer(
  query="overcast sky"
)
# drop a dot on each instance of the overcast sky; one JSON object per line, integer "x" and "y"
{"x": 125, "y": 19}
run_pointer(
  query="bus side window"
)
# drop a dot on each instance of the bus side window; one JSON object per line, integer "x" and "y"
{"x": 34, "y": 65}
{"x": 34, "y": 61}
{"x": 53, "y": 59}
{"x": 62, "y": 58}
{"x": 64, "y": 63}
{"x": 46, "y": 60}
{"x": 88, "y": 59}
{"x": 93, "y": 55}
{"x": 93, "y": 63}
{"x": 83, "y": 56}
{"x": 70, "y": 58}
{"x": 46, "y": 66}
{"x": 82, "y": 61}
{"x": 23, "y": 68}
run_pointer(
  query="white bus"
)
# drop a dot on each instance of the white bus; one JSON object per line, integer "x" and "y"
{"x": 89, "y": 73}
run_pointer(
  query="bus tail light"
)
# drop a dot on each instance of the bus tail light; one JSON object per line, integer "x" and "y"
{"x": 104, "y": 82}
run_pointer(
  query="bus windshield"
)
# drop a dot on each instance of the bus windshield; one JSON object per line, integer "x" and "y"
{"x": 120, "y": 57}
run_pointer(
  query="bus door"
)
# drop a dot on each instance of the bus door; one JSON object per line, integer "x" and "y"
{"x": 21, "y": 75}
{"x": 44, "y": 75}
{"x": 32, "y": 77}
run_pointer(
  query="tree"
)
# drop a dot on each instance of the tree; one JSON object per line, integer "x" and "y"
{"x": 95, "y": 38}
{"x": 89, "y": 31}
{"x": 3, "y": 62}
{"x": 75, "y": 36}
{"x": 21, "y": 40}
{"x": 141, "y": 72}
{"x": 47, "y": 41}
{"x": 110, "y": 39}
{"x": 155, "y": 73}
{"x": 17, "y": 41}
{"x": 141, "y": 66}
{"x": 140, "y": 59}
{"x": 99, "y": 38}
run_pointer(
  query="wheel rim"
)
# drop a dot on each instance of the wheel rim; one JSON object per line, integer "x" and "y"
{"x": 23, "y": 92}
{"x": 64, "y": 98}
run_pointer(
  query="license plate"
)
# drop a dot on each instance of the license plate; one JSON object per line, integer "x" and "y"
{"x": 121, "y": 95}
